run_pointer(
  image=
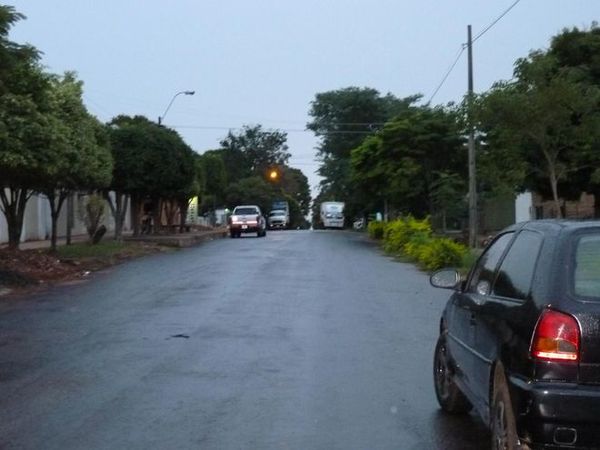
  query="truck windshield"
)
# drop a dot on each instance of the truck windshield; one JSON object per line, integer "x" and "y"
{"x": 277, "y": 213}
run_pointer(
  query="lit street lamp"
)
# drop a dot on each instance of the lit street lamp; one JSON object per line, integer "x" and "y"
{"x": 161, "y": 118}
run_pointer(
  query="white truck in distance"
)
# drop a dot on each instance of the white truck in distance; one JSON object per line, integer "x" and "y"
{"x": 332, "y": 214}
{"x": 279, "y": 217}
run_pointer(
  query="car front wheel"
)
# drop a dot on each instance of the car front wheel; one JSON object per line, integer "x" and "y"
{"x": 449, "y": 396}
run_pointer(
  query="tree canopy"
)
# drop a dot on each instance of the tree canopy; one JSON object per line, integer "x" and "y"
{"x": 546, "y": 120}
{"x": 405, "y": 161}
{"x": 342, "y": 119}
{"x": 253, "y": 150}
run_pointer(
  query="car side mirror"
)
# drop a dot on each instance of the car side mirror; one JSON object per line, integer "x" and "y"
{"x": 445, "y": 279}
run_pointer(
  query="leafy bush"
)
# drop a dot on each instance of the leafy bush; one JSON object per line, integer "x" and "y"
{"x": 376, "y": 229}
{"x": 91, "y": 212}
{"x": 413, "y": 238}
{"x": 399, "y": 232}
{"x": 414, "y": 247}
{"x": 441, "y": 252}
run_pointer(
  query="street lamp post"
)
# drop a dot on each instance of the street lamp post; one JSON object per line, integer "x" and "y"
{"x": 161, "y": 118}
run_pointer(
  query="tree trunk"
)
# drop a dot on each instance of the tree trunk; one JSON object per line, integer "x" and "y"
{"x": 13, "y": 207}
{"x": 122, "y": 205}
{"x": 136, "y": 205}
{"x": 554, "y": 186}
{"x": 170, "y": 207}
{"x": 157, "y": 213}
{"x": 118, "y": 210}
{"x": 54, "y": 218}
{"x": 183, "y": 210}
{"x": 55, "y": 207}
{"x": 70, "y": 216}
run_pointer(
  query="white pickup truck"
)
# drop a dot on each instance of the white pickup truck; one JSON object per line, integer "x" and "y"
{"x": 247, "y": 219}
{"x": 279, "y": 218}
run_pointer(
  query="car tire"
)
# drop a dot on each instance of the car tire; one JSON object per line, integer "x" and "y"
{"x": 232, "y": 234}
{"x": 449, "y": 396}
{"x": 503, "y": 425}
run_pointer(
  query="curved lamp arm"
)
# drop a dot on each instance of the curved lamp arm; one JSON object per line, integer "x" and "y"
{"x": 161, "y": 118}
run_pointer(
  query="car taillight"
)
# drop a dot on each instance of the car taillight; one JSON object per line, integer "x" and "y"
{"x": 556, "y": 337}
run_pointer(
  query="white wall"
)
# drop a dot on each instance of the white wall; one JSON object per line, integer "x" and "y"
{"x": 524, "y": 207}
{"x": 37, "y": 222}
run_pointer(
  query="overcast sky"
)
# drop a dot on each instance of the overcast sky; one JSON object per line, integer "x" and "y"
{"x": 263, "y": 61}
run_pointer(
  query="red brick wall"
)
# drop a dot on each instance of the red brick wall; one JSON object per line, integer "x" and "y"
{"x": 581, "y": 209}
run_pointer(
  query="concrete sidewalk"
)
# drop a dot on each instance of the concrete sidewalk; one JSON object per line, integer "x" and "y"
{"x": 172, "y": 240}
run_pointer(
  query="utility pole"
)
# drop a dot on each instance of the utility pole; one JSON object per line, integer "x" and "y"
{"x": 472, "y": 173}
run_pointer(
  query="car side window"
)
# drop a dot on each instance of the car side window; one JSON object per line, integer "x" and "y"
{"x": 515, "y": 276}
{"x": 586, "y": 270}
{"x": 483, "y": 273}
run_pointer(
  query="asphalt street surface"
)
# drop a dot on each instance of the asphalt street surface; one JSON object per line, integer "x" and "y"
{"x": 300, "y": 340}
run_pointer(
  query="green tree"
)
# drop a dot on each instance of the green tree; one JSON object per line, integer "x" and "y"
{"x": 151, "y": 162}
{"x": 82, "y": 156}
{"x": 342, "y": 119}
{"x": 251, "y": 191}
{"x": 404, "y": 163}
{"x": 294, "y": 184}
{"x": 27, "y": 131}
{"x": 215, "y": 177}
{"x": 546, "y": 120}
{"x": 252, "y": 151}
{"x": 576, "y": 53}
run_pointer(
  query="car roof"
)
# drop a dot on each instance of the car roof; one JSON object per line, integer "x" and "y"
{"x": 555, "y": 225}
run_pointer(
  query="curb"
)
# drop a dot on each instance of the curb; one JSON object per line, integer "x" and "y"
{"x": 180, "y": 241}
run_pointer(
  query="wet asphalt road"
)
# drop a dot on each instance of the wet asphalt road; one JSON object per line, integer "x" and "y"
{"x": 302, "y": 340}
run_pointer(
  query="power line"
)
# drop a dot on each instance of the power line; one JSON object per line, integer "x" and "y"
{"x": 464, "y": 46}
{"x": 286, "y": 130}
{"x": 452, "y": 66}
{"x": 486, "y": 29}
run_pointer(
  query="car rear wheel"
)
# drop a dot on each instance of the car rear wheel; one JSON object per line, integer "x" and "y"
{"x": 449, "y": 396}
{"x": 502, "y": 418}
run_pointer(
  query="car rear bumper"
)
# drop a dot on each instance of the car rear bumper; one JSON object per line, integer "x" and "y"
{"x": 557, "y": 413}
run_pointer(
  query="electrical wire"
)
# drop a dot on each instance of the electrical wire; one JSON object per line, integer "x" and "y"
{"x": 452, "y": 66}
{"x": 486, "y": 29}
{"x": 286, "y": 130}
{"x": 463, "y": 47}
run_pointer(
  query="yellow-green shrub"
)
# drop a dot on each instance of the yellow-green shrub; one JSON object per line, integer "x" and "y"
{"x": 399, "y": 232}
{"x": 441, "y": 252}
{"x": 414, "y": 247}
{"x": 376, "y": 229}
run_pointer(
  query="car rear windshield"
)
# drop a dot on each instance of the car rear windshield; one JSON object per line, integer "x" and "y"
{"x": 586, "y": 278}
{"x": 245, "y": 211}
